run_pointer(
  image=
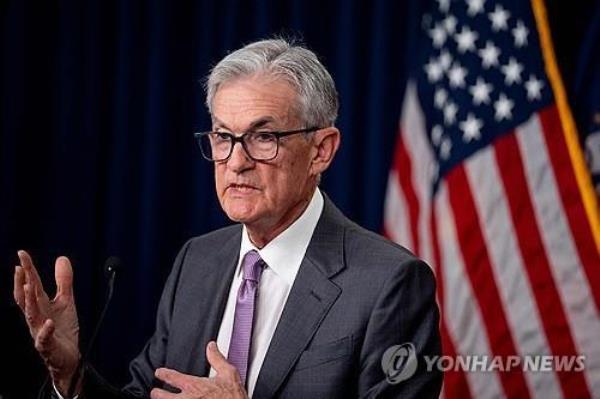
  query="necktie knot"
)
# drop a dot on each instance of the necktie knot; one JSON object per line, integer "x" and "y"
{"x": 252, "y": 266}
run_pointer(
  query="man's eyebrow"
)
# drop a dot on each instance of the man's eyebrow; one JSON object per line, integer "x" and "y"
{"x": 257, "y": 124}
{"x": 217, "y": 123}
{"x": 261, "y": 122}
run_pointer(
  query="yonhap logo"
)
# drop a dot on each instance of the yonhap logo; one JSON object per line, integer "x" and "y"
{"x": 399, "y": 362}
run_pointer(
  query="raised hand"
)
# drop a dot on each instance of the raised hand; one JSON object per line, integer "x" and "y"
{"x": 225, "y": 385}
{"x": 53, "y": 323}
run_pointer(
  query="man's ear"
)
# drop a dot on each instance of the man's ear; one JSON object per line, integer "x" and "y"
{"x": 326, "y": 144}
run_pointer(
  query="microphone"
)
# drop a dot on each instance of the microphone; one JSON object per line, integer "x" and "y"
{"x": 111, "y": 267}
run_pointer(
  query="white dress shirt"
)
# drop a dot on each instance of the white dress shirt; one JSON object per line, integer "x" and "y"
{"x": 283, "y": 256}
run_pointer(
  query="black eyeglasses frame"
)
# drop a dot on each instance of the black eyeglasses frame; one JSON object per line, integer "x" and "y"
{"x": 278, "y": 134}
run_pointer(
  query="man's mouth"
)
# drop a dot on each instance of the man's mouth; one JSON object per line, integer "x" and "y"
{"x": 241, "y": 188}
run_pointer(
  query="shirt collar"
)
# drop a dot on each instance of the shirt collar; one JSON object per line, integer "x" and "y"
{"x": 285, "y": 252}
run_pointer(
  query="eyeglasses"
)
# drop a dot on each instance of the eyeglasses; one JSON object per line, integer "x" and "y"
{"x": 260, "y": 146}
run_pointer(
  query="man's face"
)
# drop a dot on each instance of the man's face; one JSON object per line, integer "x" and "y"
{"x": 262, "y": 194}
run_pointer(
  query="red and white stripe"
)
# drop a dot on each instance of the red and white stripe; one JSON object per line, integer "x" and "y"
{"x": 517, "y": 269}
{"x": 509, "y": 268}
{"x": 566, "y": 265}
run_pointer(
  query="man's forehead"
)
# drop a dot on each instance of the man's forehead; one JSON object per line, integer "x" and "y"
{"x": 254, "y": 102}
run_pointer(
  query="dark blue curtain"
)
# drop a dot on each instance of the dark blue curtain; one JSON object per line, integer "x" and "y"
{"x": 98, "y": 103}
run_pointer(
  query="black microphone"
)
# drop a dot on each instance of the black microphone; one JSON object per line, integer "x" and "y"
{"x": 111, "y": 267}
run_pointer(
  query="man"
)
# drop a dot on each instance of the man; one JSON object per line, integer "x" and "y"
{"x": 301, "y": 301}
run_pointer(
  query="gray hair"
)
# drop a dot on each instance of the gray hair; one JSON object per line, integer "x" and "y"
{"x": 300, "y": 67}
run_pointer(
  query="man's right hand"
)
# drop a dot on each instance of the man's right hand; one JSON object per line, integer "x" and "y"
{"x": 53, "y": 324}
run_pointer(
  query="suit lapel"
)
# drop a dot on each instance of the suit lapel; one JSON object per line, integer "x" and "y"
{"x": 311, "y": 297}
{"x": 214, "y": 286}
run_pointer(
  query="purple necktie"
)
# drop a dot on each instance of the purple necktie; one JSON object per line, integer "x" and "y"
{"x": 241, "y": 336}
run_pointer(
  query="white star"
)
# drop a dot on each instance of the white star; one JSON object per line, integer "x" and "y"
{"x": 520, "y": 33}
{"x": 499, "y": 18}
{"x": 534, "y": 88}
{"x": 450, "y": 110}
{"x": 445, "y": 59}
{"x": 503, "y": 107}
{"x": 489, "y": 55}
{"x": 445, "y": 148}
{"x": 444, "y": 5}
{"x": 481, "y": 92}
{"x": 436, "y": 134}
{"x": 457, "y": 75}
{"x": 434, "y": 71}
{"x": 438, "y": 35}
{"x": 450, "y": 24}
{"x": 475, "y": 7}
{"x": 512, "y": 71}
{"x": 471, "y": 128}
{"x": 466, "y": 39}
{"x": 440, "y": 97}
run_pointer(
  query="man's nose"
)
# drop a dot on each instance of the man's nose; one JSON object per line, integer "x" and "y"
{"x": 239, "y": 159}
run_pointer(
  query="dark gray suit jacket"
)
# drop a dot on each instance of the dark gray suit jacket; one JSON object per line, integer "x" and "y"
{"x": 355, "y": 295}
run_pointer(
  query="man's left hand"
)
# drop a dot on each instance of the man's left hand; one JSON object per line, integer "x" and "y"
{"x": 226, "y": 384}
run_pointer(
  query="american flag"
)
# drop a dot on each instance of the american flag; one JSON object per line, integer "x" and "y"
{"x": 489, "y": 185}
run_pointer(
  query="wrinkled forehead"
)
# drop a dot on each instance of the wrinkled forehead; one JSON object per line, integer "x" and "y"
{"x": 256, "y": 101}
